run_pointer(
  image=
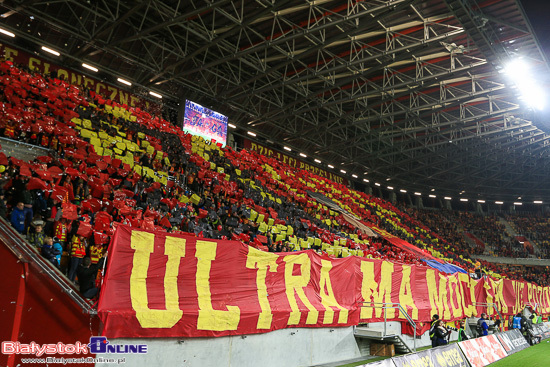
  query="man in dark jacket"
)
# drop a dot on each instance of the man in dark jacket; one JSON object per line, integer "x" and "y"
{"x": 3, "y": 208}
{"x": 86, "y": 273}
{"x": 435, "y": 318}
{"x": 17, "y": 218}
{"x": 482, "y": 326}
{"x": 441, "y": 333}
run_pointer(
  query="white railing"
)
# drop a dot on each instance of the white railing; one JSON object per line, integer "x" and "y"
{"x": 392, "y": 305}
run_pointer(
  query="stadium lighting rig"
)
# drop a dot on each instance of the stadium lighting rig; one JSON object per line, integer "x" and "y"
{"x": 90, "y": 67}
{"x": 50, "y": 50}
{"x": 7, "y": 33}
{"x": 519, "y": 72}
{"x": 124, "y": 81}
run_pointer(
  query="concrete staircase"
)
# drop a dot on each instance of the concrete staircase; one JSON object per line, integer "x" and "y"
{"x": 513, "y": 233}
{"x": 378, "y": 335}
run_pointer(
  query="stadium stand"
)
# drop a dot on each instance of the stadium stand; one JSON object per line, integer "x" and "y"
{"x": 429, "y": 106}
{"x": 114, "y": 164}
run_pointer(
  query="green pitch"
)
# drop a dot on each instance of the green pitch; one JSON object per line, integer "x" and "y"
{"x": 535, "y": 356}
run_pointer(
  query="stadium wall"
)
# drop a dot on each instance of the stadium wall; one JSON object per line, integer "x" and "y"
{"x": 288, "y": 347}
{"x": 296, "y": 347}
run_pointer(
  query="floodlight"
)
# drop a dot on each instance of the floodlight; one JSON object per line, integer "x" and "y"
{"x": 124, "y": 81}
{"x": 519, "y": 72}
{"x": 51, "y": 51}
{"x": 90, "y": 67}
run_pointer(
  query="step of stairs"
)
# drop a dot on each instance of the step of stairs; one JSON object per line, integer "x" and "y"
{"x": 378, "y": 334}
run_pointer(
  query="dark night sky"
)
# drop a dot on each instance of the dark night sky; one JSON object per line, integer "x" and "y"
{"x": 538, "y": 12}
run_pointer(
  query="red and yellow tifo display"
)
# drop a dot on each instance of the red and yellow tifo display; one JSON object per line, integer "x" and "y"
{"x": 168, "y": 285}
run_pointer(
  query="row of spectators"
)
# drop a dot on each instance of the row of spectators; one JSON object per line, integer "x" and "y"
{"x": 116, "y": 164}
{"x": 453, "y": 225}
{"x": 535, "y": 227}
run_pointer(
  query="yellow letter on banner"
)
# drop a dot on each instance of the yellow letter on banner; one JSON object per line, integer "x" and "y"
{"x": 295, "y": 285}
{"x": 374, "y": 292}
{"x": 327, "y": 297}
{"x": 144, "y": 243}
{"x": 455, "y": 292}
{"x": 405, "y": 293}
{"x": 489, "y": 288}
{"x": 437, "y": 298}
{"x": 261, "y": 260}
{"x": 468, "y": 285}
{"x": 210, "y": 319}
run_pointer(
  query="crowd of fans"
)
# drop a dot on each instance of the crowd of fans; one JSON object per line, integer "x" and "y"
{"x": 113, "y": 164}
{"x": 492, "y": 232}
{"x": 535, "y": 227}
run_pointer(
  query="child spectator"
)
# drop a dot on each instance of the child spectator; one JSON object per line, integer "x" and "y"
{"x": 58, "y": 251}
{"x": 48, "y": 250}
{"x": 37, "y": 238}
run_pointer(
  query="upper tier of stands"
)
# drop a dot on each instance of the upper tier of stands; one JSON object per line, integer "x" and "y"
{"x": 118, "y": 164}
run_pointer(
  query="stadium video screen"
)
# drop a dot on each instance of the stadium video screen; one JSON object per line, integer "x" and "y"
{"x": 204, "y": 122}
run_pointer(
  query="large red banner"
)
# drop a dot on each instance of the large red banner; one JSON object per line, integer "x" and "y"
{"x": 168, "y": 285}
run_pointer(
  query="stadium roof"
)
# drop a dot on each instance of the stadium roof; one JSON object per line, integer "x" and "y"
{"x": 410, "y": 91}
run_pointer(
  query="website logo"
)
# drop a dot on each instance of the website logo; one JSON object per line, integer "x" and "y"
{"x": 11, "y": 347}
{"x": 100, "y": 345}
